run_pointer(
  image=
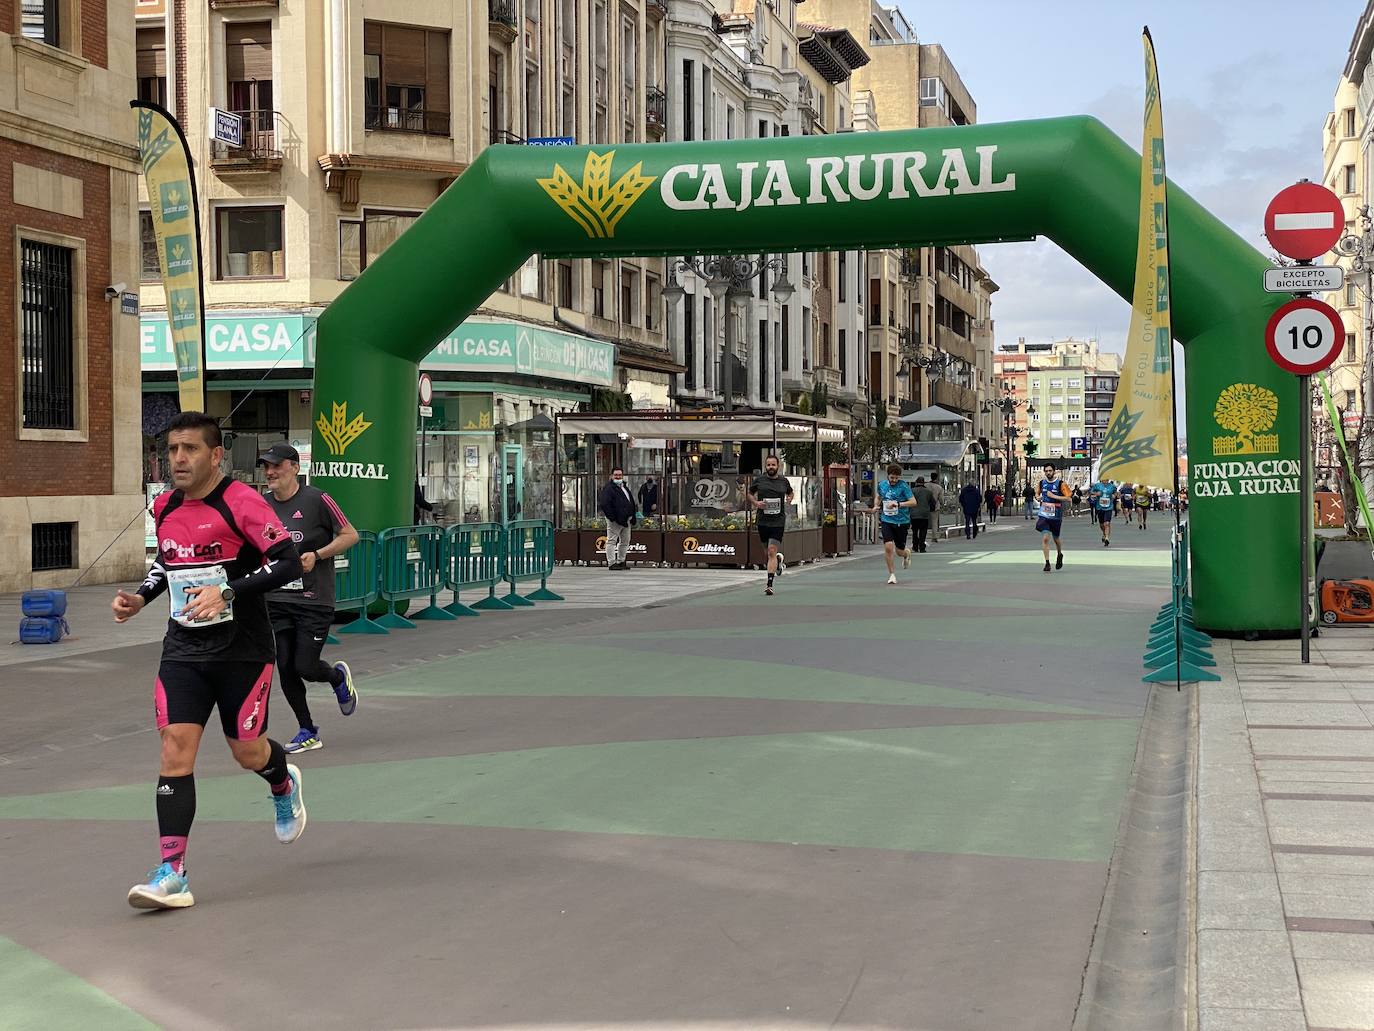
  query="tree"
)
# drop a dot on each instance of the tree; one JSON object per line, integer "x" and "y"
{"x": 877, "y": 443}
{"x": 1246, "y": 409}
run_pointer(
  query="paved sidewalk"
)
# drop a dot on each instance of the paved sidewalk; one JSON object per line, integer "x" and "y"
{"x": 1285, "y": 819}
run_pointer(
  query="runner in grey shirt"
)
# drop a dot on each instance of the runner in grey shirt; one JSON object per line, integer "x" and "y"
{"x": 303, "y": 610}
{"x": 770, "y": 494}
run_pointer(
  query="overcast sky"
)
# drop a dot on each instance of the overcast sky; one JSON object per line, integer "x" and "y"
{"x": 1246, "y": 87}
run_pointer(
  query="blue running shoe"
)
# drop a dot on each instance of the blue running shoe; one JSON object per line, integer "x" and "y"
{"x": 306, "y": 740}
{"x": 346, "y": 694}
{"x": 166, "y": 889}
{"x": 290, "y": 808}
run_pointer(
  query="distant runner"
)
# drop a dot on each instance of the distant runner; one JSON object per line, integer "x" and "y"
{"x": 1144, "y": 501}
{"x": 220, "y": 550}
{"x": 1054, "y": 495}
{"x": 894, "y": 501}
{"x": 1128, "y": 503}
{"x": 770, "y": 494}
{"x": 1104, "y": 501}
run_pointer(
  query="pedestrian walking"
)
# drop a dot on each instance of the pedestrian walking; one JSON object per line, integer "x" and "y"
{"x": 303, "y": 610}
{"x": 221, "y": 549}
{"x": 618, "y": 506}
{"x": 971, "y": 501}
{"x": 991, "y": 500}
{"x": 1028, "y": 497}
{"x": 423, "y": 506}
{"x": 769, "y": 494}
{"x": 922, "y": 512}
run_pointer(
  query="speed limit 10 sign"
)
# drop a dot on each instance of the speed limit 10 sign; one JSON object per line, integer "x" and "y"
{"x": 1304, "y": 336}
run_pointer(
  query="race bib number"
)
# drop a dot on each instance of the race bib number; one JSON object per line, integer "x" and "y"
{"x": 772, "y": 506}
{"x": 1049, "y": 509}
{"x": 178, "y": 580}
{"x": 890, "y": 507}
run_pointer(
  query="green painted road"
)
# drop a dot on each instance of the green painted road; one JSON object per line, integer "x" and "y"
{"x": 845, "y": 805}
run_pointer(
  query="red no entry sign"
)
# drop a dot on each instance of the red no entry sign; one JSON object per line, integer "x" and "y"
{"x": 1304, "y": 336}
{"x": 1304, "y": 221}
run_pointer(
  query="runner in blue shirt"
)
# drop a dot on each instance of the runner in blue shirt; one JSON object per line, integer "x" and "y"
{"x": 894, "y": 500}
{"x": 1054, "y": 495}
{"x": 1104, "y": 500}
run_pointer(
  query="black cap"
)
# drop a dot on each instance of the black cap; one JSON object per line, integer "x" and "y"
{"x": 279, "y": 453}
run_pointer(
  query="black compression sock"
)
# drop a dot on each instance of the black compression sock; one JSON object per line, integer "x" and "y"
{"x": 176, "y": 811}
{"x": 275, "y": 771}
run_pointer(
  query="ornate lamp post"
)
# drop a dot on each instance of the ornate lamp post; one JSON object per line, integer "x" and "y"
{"x": 1007, "y": 406}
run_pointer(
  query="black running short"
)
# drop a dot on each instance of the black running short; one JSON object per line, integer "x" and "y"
{"x": 187, "y": 691}
{"x": 1053, "y": 526}
{"x": 771, "y": 534}
{"x": 896, "y": 533}
{"x": 1104, "y": 515}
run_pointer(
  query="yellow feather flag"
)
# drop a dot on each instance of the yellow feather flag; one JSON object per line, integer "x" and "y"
{"x": 1139, "y": 444}
{"x": 168, "y": 171}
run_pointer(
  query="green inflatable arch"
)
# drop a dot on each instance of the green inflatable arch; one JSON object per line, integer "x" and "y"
{"x": 1070, "y": 179}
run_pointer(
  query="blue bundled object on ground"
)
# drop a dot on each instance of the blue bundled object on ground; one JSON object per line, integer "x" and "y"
{"x": 44, "y": 603}
{"x": 42, "y": 629}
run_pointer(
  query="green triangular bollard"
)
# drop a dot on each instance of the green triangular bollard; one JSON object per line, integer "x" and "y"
{"x": 435, "y": 612}
{"x": 515, "y": 601}
{"x": 1171, "y": 673}
{"x": 394, "y": 622}
{"x": 362, "y": 625}
{"x": 459, "y": 609}
{"x": 544, "y": 594}
{"x": 492, "y": 603}
{"x": 1165, "y": 654}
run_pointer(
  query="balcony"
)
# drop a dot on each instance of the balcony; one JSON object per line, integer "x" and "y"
{"x": 656, "y": 112}
{"x": 656, "y": 8}
{"x": 954, "y": 397}
{"x": 910, "y": 269}
{"x": 408, "y": 119}
{"x": 229, "y": 5}
{"x": 261, "y": 151}
{"x": 504, "y": 20}
{"x": 948, "y": 340}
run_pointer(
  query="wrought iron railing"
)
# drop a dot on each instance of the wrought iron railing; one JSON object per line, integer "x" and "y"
{"x": 656, "y": 108}
{"x": 502, "y": 12}
{"x": 408, "y": 119}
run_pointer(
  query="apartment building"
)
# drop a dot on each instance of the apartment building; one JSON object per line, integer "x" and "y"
{"x": 929, "y": 324}
{"x": 755, "y": 71}
{"x": 69, "y": 468}
{"x": 1070, "y": 383}
{"x": 357, "y": 115}
{"x": 1348, "y": 170}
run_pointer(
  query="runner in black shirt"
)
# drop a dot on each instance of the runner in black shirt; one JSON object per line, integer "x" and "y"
{"x": 770, "y": 494}
{"x": 220, "y": 549}
{"x": 303, "y": 609}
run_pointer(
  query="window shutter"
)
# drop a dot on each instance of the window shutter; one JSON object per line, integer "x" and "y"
{"x": 436, "y": 73}
{"x": 403, "y": 56}
{"x": 248, "y": 51}
{"x": 152, "y": 54}
{"x": 372, "y": 38}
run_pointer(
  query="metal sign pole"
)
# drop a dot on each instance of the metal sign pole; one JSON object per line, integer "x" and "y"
{"x": 1305, "y": 492}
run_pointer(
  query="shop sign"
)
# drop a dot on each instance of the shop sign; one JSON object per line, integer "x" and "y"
{"x": 528, "y": 350}
{"x": 712, "y": 492}
{"x": 235, "y": 342}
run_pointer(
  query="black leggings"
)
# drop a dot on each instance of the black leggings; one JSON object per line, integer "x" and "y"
{"x": 301, "y": 631}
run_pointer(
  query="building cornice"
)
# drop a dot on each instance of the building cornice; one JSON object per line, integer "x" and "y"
{"x": 69, "y": 142}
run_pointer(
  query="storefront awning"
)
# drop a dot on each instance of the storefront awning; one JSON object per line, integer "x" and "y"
{"x": 703, "y": 429}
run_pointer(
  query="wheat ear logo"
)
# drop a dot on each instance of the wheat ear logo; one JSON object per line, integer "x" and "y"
{"x": 1246, "y": 410}
{"x": 595, "y": 203}
{"x": 339, "y": 431}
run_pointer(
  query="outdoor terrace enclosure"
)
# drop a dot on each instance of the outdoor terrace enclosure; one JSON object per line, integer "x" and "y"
{"x": 1070, "y": 179}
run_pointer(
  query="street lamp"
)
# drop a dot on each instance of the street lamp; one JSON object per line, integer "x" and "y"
{"x": 1007, "y": 406}
{"x": 727, "y": 278}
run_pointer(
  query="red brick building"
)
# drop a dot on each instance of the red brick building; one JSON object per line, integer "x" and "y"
{"x": 70, "y": 477}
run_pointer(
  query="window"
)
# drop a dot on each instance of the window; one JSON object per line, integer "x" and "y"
{"x": 1056, "y": 434}
{"x": 1350, "y": 295}
{"x": 51, "y": 546}
{"x": 248, "y": 70}
{"x": 1057, "y": 399}
{"x": 763, "y": 359}
{"x": 566, "y": 297}
{"x": 496, "y": 96}
{"x": 1075, "y": 417}
{"x": 842, "y": 278}
{"x": 629, "y": 297}
{"x": 786, "y": 336}
{"x": 152, "y": 65}
{"x": 932, "y": 92}
{"x": 1350, "y": 400}
{"x": 1075, "y": 402}
{"x": 405, "y": 79}
{"x": 40, "y": 21}
{"x": 689, "y": 71}
{"x": 250, "y": 243}
{"x": 806, "y": 339}
{"x": 844, "y": 361}
{"x": 1348, "y": 122}
{"x": 151, "y": 268}
{"x": 1056, "y": 384}
{"x": 1075, "y": 383}
{"x": 654, "y": 302}
{"x": 48, "y": 345}
{"x": 362, "y": 242}
{"x": 1348, "y": 178}
{"x": 1056, "y": 416}
{"x": 1350, "y": 347}
{"x": 689, "y": 343}
{"x": 599, "y": 289}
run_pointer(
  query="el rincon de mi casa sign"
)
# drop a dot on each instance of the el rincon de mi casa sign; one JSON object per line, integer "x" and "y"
{"x": 1069, "y": 179}
{"x": 287, "y": 341}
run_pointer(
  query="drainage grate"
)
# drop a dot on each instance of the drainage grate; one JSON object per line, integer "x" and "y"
{"x": 52, "y": 546}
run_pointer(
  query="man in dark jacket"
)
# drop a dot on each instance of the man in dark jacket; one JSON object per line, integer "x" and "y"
{"x": 990, "y": 500}
{"x": 617, "y": 504}
{"x": 970, "y": 500}
{"x": 921, "y": 513}
{"x": 648, "y": 497}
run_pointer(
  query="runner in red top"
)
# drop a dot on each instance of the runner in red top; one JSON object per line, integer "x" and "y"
{"x": 220, "y": 549}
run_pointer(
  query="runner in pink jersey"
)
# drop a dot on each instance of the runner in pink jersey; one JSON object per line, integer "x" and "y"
{"x": 220, "y": 549}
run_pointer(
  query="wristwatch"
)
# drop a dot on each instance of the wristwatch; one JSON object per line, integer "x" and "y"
{"x": 226, "y": 594}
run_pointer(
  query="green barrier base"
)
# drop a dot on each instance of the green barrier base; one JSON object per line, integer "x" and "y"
{"x": 459, "y": 609}
{"x": 1165, "y": 654}
{"x": 544, "y": 594}
{"x": 362, "y": 625}
{"x": 393, "y": 621}
{"x": 434, "y": 612}
{"x": 331, "y": 639}
{"x": 515, "y": 601}
{"x": 1171, "y": 673}
{"x": 491, "y": 603}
